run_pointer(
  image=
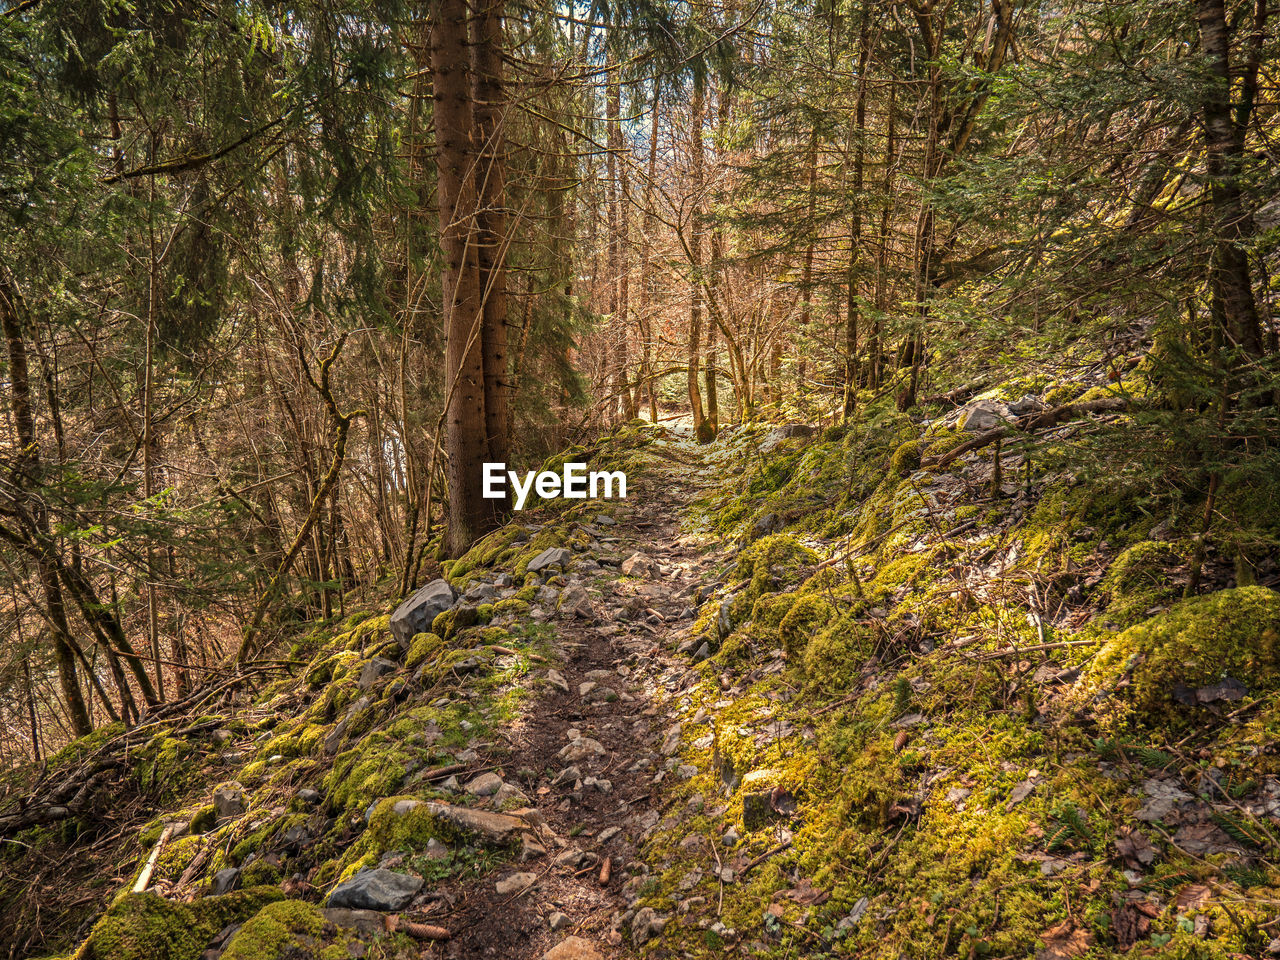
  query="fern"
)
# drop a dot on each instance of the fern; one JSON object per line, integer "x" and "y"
{"x": 1246, "y": 877}
{"x": 1239, "y": 829}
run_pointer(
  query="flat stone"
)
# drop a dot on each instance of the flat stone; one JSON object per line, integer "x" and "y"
{"x": 376, "y": 890}
{"x": 573, "y": 948}
{"x": 368, "y": 923}
{"x": 558, "y": 921}
{"x": 640, "y": 565}
{"x": 550, "y": 557}
{"x": 416, "y": 614}
{"x": 308, "y": 796}
{"x": 224, "y": 881}
{"x": 583, "y": 748}
{"x": 484, "y": 785}
{"x": 557, "y": 680}
{"x": 671, "y": 742}
{"x": 576, "y": 602}
{"x": 494, "y": 827}
{"x": 586, "y": 687}
{"x": 515, "y": 883}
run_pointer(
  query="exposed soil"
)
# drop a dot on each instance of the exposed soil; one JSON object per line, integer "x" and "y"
{"x": 638, "y": 623}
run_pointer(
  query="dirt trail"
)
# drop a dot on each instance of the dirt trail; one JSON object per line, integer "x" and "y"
{"x": 617, "y": 671}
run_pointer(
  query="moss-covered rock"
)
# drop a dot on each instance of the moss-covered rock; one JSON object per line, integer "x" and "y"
{"x": 424, "y": 646}
{"x": 805, "y": 616}
{"x": 145, "y": 926}
{"x": 1200, "y": 641}
{"x": 834, "y": 658}
{"x": 906, "y": 459}
{"x": 289, "y": 929}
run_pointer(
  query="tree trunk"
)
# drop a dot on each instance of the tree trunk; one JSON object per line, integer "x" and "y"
{"x": 700, "y": 425}
{"x": 491, "y": 223}
{"x": 27, "y": 473}
{"x": 470, "y": 515}
{"x": 855, "y": 228}
{"x": 646, "y": 264}
{"x": 1230, "y": 283}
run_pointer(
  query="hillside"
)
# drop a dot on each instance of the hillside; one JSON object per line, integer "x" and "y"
{"x": 804, "y": 692}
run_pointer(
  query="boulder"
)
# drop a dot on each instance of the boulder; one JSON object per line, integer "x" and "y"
{"x": 978, "y": 416}
{"x": 224, "y": 881}
{"x": 376, "y": 890}
{"x": 550, "y": 557}
{"x": 228, "y": 799}
{"x": 516, "y": 883}
{"x": 374, "y": 670}
{"x": 416, "y": 614}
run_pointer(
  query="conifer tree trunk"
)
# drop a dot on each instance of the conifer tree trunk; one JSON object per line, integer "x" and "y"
{"x": 465, "y": 419}
{"x": 806, "y": 277}
{"x": 1230, "y": 283}
{"x": 491, "y": 222}
{"x": 646, "y": 258}
{"x": 851, "y": 373}
{"x": 700, "y": 425}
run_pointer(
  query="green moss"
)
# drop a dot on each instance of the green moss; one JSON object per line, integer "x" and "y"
{"x": 1139, "y": 579}
{"x": 834, "y": 658}
{"x": 1231, "y": 633}
{"x": 424, "y": 647}
{"x": 144, "y": 926}
{"x": 512, "y": 605}
{"x": 805, "y": 615}
{"x": 452, "y": 622}
{"x": 906, "y": 459}
{"x": 289, "y": 928}
{"x": 260, "y": 873}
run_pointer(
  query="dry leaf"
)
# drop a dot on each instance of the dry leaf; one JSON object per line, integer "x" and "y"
{"x": 1062, "y": 941}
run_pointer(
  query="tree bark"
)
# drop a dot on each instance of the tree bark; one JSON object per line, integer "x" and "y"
{"x": 492, "y": 224}
{"x": 1230, "y": 282}
{"x": 700, "y": 425}
{"x": 470, "y": 515}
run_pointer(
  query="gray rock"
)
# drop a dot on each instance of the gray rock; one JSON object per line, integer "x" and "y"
{"x": 224, "y": 881}
{"x": 481, "y": 593}
{"x": 374, "y": 670}
{"x": 769, "y": 523}
{"x": 775, "y": 437}
{"x": 309, "y": 796}
{"x": 582, "y": 748}
{"x": 333, "y": 740}
{"x": 484, "y": 785}
{"x": 415, "y": 615}
{"x": 515, "y": 883}
{"x": 228, "y": 800}
{"x": 367, "y": 923}
{"x": 558, "y": 921}
{"x": 979, "y": 415}
{"x": 724, "y": 619}
{"x": 576, "y": 602}
{"x": 671, "y": 742}
{"x": 646, "y": 925}
{"x": 550, "y": 557}
{"x": 376, "y": 890}
{"x": 558, "y": 681}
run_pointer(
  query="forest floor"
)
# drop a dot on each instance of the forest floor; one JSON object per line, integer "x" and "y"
{"x": 804, "y": 692}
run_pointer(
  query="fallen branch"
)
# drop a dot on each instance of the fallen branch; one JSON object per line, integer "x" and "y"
{"x": 144, "y": 878}
{"x": 763, "y": 857}
{"x": 1032, "y": 421}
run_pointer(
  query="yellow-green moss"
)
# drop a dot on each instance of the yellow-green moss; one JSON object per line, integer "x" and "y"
{"x": 1231, "y": 633}
{"x": 423, "y": 647}
{"x": 906, "y": 459}
{"x": 834, "y": 658}
{"x": 289, "y": 928}
{"x": 145, "y": 926}
{"x": 511, "y": 605}
{"x": 806, "y": 615}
